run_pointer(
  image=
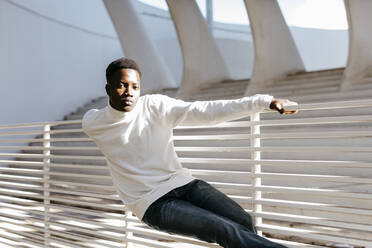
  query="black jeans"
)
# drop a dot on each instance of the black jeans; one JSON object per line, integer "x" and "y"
{"x": 199, "y": 210}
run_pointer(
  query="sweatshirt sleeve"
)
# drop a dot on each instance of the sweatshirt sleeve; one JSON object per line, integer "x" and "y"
{"x": 196, "y": 113}
{"x": 87, "y": 120}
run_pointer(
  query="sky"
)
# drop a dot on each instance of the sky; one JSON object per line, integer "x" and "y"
{"x": 322, "y": 14}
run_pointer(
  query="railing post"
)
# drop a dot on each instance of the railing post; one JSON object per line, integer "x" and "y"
{"x": 46, "y": 177}
{"x": 128, "y": 234}
{"x": 256, "y": 168}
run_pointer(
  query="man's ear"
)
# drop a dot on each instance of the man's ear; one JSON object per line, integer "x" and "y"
{"x": 108, "y": 89}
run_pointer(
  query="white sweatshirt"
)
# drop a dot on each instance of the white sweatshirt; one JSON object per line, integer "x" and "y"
{"x": 138, "y": 145}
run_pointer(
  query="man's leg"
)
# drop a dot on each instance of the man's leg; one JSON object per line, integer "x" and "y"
{"x": 204, "y": 195}
{"x": 177, "y": 216}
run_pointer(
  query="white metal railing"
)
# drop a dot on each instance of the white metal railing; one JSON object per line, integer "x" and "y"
{"x": 306, "y": 179}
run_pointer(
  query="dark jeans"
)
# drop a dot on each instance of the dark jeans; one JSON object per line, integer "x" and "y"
{"x": 199, "y": 210}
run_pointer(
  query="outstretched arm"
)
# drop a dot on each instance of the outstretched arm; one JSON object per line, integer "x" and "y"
{"x": 179, "y": 112}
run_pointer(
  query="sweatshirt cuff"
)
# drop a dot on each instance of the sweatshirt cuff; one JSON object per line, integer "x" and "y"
{"x": 264, "y": 100}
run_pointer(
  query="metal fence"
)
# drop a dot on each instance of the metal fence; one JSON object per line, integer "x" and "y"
{"x": 306, "y": 179}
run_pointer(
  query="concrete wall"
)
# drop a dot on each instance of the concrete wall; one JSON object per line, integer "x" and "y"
{"x": 47, "y": 66}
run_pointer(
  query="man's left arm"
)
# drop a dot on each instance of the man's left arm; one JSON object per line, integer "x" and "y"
{"x": 214, "y": 112}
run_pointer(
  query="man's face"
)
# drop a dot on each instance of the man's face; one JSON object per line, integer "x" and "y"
{"x": 124, "y": 89}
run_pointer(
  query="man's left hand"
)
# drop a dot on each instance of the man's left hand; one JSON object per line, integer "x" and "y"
{"x": 284, "y": 106}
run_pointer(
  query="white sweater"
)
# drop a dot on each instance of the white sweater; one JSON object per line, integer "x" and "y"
{"x": 138, "y": 145}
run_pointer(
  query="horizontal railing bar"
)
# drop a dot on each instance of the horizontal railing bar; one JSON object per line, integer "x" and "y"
{"x": 263, "y": 162}
{"x": 24, "y": 194}
{"x": 315, "y": 120}
{"x": 148, "y": 242}
{"x": 313, "y": 221}
{"x": 61, "y": 199}
{"x": 219, "y": 172}
{"x": 37, "y": 124}
{"x": 25, "y": 155}
{"x": 32, "y": 171}
{"x": 335, "y": 105}
{"x": 5, "y": 242}
{"x": 154, "y": 243}
{"x": 157, "y": 234}
{"x": 96, "y": 213}
{"x": 79, "y": 237}
{"x": 52, "y": 148}
{"x": 284, "y": 122}
{"x": 79, "y": 193}
{"x": 55, "y": 190}
{"x": 327, "y": 178}
{"x": 313, "y": 206}
{"x": 27, "y": 163}
{"x": 22, "y": 185}
{"x": 186, "y": 148}
{"x": 212, "y": 137}
{"x": 80, "y": 166}
{"x": 99, "y": 225}
{"x": 56, "y": 182}
{"x": 10, "y": 218}
{"x": 292, "y": 244}
{"x": 14, "y": 133}
{"x": 9, "y": 206}
{"x": 89, "y": 204}
{"x": 311, "y": 235}
{"x": 21, "y": 201}
{"x": 25, "y": 239}
{"x": 39, "y": 132}
{"x": 63, "y": 242}
{"x": 55, "y": 165}
{"x": 315, "y": 135}
{"x": 71, "y": 227}
{"x": 275, "y": 149}
{"x": 293, "y": 135}
{"x": 49, "y": 140}
{"x": 66, "y": 217}
{"x": 78, "y": 175}
{"x": 312, "y": 191}
{"x": 94, "y": 186}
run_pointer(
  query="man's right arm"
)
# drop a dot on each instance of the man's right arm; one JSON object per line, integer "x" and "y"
{"x": 87, "y": 120}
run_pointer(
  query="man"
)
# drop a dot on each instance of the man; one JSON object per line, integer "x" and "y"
{"x": 135, "y": 135}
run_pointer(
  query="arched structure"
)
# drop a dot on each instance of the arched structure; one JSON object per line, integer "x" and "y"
{"x": 359, "y": 63}
{"x": 276, "y": 54}
{"x": 202, "y": 61}
{"x": 138, "y": 46}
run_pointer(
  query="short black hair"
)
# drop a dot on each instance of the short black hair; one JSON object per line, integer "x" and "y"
{"x": 119, "y": 64}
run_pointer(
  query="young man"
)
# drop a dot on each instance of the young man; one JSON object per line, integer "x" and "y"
{"x": 135, "y": 135}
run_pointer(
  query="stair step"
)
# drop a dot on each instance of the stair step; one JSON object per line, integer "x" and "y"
{"x": 312, "y": 74}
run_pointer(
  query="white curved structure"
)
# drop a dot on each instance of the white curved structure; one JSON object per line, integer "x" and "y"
{"x": 202, "y": 61}
{"x": 359, "y": 64}
{"x": 138, "y": 46}
{"x": 276, "y": 54}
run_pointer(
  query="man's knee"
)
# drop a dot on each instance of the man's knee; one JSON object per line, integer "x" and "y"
{"x": 248, "y": 222}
